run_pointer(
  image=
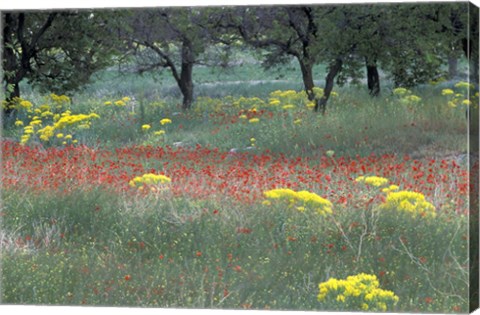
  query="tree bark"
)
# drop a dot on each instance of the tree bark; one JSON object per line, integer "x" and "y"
{"x": 307, "y": 77}
{"x": 186, "y": 82}
{"x": 16, "y": 68}
{"x": 373, "y": 79}
{"x": 334, "y": 69}
{"x": 452, "y": 67}
{"x": 10, "y": 64}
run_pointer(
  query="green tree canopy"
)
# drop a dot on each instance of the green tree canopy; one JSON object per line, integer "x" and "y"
{"x": 55, "y": 51}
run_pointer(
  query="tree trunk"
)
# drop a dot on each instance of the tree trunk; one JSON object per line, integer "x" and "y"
{"x": 452, "y": 67}
{"x": 334, "y": 69}
{"x": 186, "y": 82}
{"x": 373, "y": 80}
{"x": 307, "y": 76}
{"x": 12, "y": 87}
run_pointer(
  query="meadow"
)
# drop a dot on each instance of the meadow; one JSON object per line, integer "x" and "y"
{"x": 248, "y": 201}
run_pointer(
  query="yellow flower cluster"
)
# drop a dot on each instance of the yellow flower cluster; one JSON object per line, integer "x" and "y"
{"x": 18, "y": 104}
{"x": 290, "y": 99}
{"x": 67, "y": 119}
{"x": 409, "y": 202}
{"x": 25, "y": 104}
{"x": 119, "y": 103}
{"x": 149, "y": 179}
{"x": 464, "y": 85}
{"x": 302, "y": 200}
{"x": 60, "y": 99}
{"x": 447, "y": 92}
{"x": 46, "y": 133}
{"x": 372, "y": 180}
{"x": 361, "y": 291}
{"x": 400, "y": 91}
{"x": 457, "y": 99}
{"x": 44, "y": 122}
{"x": 406, "y": 96}
{"x": 248, "y": 102}
{"x": 165, "y": 121}
{"x": 390, "y": 189}
{"x": 160, "y": 132}
{"x": 281, "y": 99}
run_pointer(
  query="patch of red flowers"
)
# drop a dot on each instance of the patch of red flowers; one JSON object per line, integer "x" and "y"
{"x": 203, "y": 172}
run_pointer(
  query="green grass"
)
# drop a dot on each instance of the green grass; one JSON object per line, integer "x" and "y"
{"x": 100, "y": 247}
{"x": 105, "y": 250}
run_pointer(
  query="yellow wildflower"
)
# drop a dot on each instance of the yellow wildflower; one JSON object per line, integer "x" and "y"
{"x": 390, "y": 188}
{"x": 24, "y": 139}
{"x": 400, "y": 91}
{"x": 253, "y": 120}
{"x": 361, "y": 291}
{"x": 35, "y": 122}
{"x": 463, "y": 84}
{"x": 447, "y": 92}
{"x": 18, "y": 123}
{"x": 303, "y": 199}
{"x": 165, "y": 121}
{"x": 146, "y": 127}
{"x": 28, "y": 130}
{"x": 47, "y": 113}
{"x": 25, "y": 104}
{"x": 44, "y": 108}
{"x": 412, "y": 203}
{"x": 288, "y": 106}
{"x": 372, "y": 180}
{"x": 452, "y": 104}
{"x": 149, "y": 179}
{"x": 46, "y": 133}
{"x": 413, "y": 98}
{"x": 274, "y": 102}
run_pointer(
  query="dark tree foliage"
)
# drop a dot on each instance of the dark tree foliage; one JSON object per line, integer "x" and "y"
{"x": 54, "y": 51}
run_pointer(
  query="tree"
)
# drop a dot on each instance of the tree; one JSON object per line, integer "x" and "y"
{"x": 172, "y": 38}
{"x": 281, "y": 31}
{"x": 54, "y": 51}
{"x": 440, "y": 32}
{"x": 334, "y": 35}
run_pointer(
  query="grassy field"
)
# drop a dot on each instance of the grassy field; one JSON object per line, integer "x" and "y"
{"x": 248, "y": 201}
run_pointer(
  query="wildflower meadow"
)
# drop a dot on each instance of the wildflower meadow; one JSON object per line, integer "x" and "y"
{"x": 241, "y": 203}
{"x": 294, "y": 157}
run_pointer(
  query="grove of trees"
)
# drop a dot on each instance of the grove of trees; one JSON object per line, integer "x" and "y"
{"x": 58, "y": 51}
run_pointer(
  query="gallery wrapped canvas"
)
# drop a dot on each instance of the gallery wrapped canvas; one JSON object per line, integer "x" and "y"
{"x": 287, "y": 157}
